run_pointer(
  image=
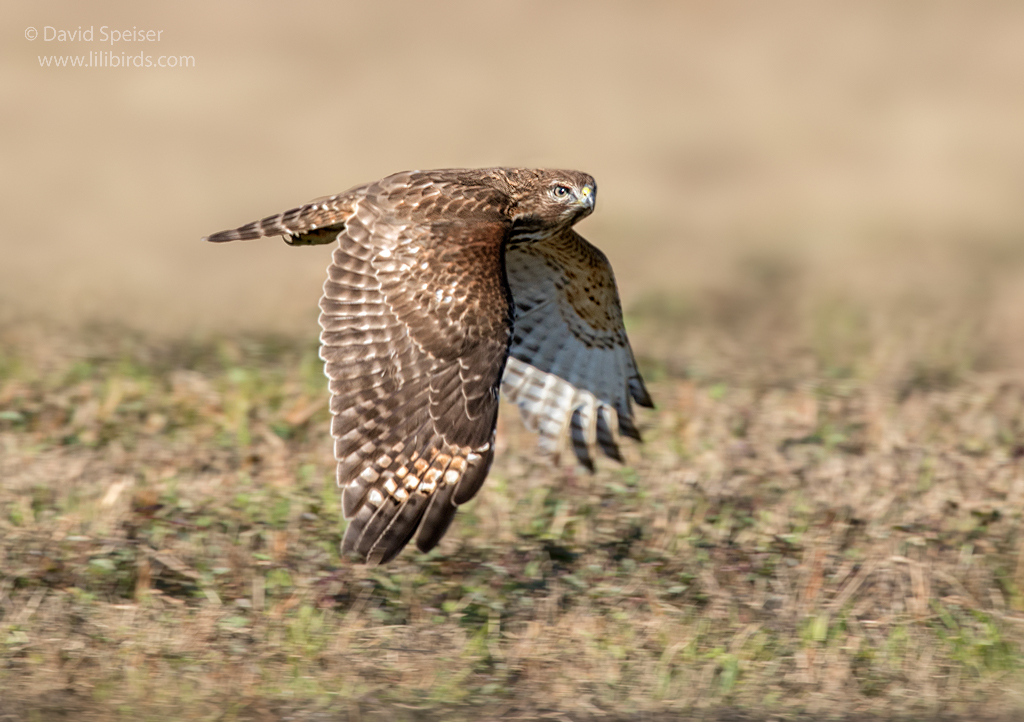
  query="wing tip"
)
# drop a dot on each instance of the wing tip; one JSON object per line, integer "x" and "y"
{"x": 638, "y": 390}
{"x": 437, "y": 518}
{"x": 587, "y": 463}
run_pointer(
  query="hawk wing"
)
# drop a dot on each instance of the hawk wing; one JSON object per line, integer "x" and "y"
{"x": 571, "y": 370}
{"x": 416, "y": 321}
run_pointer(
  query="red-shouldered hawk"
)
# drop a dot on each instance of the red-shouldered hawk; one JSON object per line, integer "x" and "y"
{"x": 445, "y": 286}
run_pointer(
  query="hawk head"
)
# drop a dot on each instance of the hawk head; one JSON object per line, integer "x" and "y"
{"x": 549, "y": 199}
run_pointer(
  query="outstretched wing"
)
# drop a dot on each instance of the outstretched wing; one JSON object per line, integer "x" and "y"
{"x": 416, "y": 322}
{"x": 570, "y": 370}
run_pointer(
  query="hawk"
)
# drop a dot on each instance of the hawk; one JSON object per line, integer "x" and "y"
{"x": 446, "y": 286}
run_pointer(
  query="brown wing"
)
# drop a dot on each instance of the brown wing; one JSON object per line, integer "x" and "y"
{"x": 571, "y": 370}
{"x": 416, "y": 321}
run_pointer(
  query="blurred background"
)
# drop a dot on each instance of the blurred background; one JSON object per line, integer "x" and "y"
{"x": 825, "y": 170}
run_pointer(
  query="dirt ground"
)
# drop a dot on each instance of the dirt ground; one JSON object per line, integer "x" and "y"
{"x": 814, "y": 216}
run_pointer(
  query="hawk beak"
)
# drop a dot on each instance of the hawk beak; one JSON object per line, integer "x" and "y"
{"x": 587, "y": 196}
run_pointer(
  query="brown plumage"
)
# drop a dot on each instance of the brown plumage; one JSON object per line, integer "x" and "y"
{"x": 445, "y": 286}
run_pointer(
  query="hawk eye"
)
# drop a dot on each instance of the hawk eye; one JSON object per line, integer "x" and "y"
{"x": 561, "y": 191}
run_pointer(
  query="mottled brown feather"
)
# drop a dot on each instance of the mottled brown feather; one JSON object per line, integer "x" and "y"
{"x": 436, "y": 276}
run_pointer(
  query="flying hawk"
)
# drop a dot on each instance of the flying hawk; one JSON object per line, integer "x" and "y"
{"x": 445, "y": 286}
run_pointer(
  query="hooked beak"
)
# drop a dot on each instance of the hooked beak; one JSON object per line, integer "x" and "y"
{"x": 588, "y": 195}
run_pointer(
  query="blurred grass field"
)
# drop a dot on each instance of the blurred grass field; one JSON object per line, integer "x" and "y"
{"x": 811, "y": 528}
{"x": 813, "y": 212}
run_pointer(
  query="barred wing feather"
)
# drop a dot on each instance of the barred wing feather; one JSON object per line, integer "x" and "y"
{"x": 570, "y": 370}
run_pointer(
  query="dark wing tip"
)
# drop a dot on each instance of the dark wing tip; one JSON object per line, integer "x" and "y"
{"x": 578, "y": 436}
{"x": 605, "y": 437}
{"x": 638, "y": 391}
{"x": 437, "y": 519}
{"x": 628, "y": 428}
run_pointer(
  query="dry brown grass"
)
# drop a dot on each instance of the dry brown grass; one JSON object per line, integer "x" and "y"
{"x": 806, "y": 531}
